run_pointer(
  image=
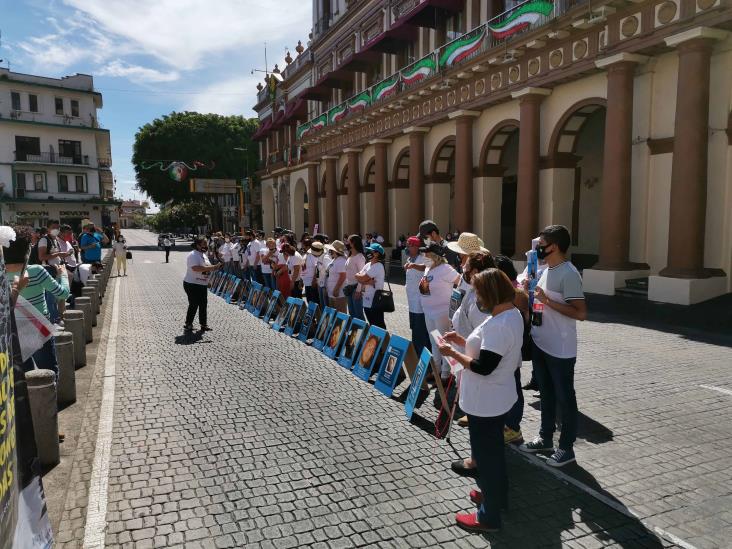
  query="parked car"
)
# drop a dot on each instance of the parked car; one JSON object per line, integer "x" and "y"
{"x": 163, "y": 237}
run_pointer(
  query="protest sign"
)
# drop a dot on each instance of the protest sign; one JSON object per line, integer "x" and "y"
{"x": 309, "y": 321}
{"x": 376, "y": 338}
{"x": 352, "y": 343}
{"x": 326, "y": 320}
{"x": 417, "y": 379}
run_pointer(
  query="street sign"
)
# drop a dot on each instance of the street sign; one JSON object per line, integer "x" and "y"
{"x": 213, "y": 186}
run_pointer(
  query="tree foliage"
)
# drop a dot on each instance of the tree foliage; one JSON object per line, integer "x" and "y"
{"x": 179, "y": 217}
{"x": 190, "y": 136}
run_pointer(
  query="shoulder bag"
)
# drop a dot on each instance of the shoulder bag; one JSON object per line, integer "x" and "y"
{"x": 384, "y": 300}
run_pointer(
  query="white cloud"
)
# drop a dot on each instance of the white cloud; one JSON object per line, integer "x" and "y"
{"x": 137, "y": 73}
{"x": 232, "y": 96}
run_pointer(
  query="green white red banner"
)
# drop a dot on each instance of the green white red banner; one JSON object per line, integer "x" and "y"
{"x": 520, "y": 18}
{"x": 463, "y": 47}
{"x": 359, "y": 102}
{"x": 337, "y": 113}
{"x": 418, "y": 71}
{"x": 385, "y": 88}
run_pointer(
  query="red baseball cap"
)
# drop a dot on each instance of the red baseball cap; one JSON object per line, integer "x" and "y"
{"x": 414, "y": 241}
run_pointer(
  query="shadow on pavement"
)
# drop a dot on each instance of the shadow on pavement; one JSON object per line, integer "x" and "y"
{"x": 190, "y": 338}
{"x": 587, "y": 428}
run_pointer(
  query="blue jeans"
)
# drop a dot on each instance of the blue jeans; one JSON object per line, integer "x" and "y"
{"x": 555, "y": 377}
{"x": 487, "y": 449}
{"x": 53, "y": 313}
{"x": 44, "y": 359}
{"x": 323, "y": 297}
{"x": 355, "y": 306}
{"x": 269, "y": 281}
{"x": 516, "y": 413}
{"x": 420, "y": 337}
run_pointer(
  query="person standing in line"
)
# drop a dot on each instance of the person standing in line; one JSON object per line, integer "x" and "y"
{"x": 255, "y": 258}
{"x": 195, "y": 284}
{"x": 431, "y": 235}
{"x": 324, "y": 261}
{"x": 487, "y": 392}
{"x": 336, "y": 275}
{"x": 313, "y": 251}
{"x": 235, "y": 258}
{"x": 554, "y": 352}
{"x": 295, "y": 263}
{"x": 414, "y": 266}
{"x": 243, "y": 260}
{"x": 370, "y": 279}
{"x": 354, "y": 263}
{"x": 225, "y": 254}
{"x": 167, "y": 244}
{"x": 90, "y": 245}
{"x": 49, "y": 253}
{"x": 120, "y": 254}
{"x": 268, "y": 256}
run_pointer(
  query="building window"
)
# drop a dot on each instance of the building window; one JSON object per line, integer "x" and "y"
{"x": 59, "y": 105}
{"x": 80, "y": 184}
{"x": 32, "y": 103}
{"x": 70, "y": 149}
{"x": 75, "y": 108}
{"x": 26, "y": 146}
{"x": 455, "y": 26}
{"x": 20, "y": 181}
{"x": 39, "y": 182}
{"x": 78, "y": 181}
{"x": 63, "y": 183}
{"x": 15, "y": 101}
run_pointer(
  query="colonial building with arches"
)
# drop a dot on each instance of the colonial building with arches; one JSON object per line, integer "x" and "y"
{"x": 611, "y": 117}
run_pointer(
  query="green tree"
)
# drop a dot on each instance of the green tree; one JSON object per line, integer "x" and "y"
{"x": 190, "y": 136}
{"x": 186, "y": 215}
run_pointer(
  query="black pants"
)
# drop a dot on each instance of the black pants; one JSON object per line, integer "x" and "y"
{"x": 167, "y": 253}
{"x": 375, "y": 318}
{"x": 197, "y": 301}
{"x": 311, "y": 294}
{"x": 487, "y": 449}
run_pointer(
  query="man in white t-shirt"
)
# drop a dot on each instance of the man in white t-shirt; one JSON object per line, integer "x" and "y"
{"x": 336, "y": 274}
{"x": 414, "y": 266}
{"x": 254, "y": 258}
{"x": 554, "y": 353}
{"x": 324, "y": 260}
{"x": 310, "y": 271}
{"x": 225, "y": 254}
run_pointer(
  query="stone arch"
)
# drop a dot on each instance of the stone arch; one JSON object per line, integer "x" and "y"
{"x": 442, "y": 166}
{"x": 440, "y": 188}
{"x": 299, "y": 206}
{"x": 398, "y": 192}
{"x": 283, "y": 206}
{"x": 343, "y": 181}
{"x": 342, "y": 199}
{"x": 400, "y": 172}
{"x": 563, "y": 142}
{"x": 369, "y": 176}
{"x": 494, "y": 146}
{"x": 268, "y": 208}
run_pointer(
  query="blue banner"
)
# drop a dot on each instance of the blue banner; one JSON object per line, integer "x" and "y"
{"x": 391, "y": 364}
{"x": 420, "y": 373}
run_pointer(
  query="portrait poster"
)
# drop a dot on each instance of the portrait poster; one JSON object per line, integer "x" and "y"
{"x": 231, "y": 289}
{"x": 352, "y": 342}
{"x": 309, "y": 321}
{"x": 367, "y": 356}
{"x": 391, "y": 364}
{"x": 281, "y": 317}
{"x": 293, "y": 315}
{"x": 262, "y": 301}
{"x": 326, "y": 320}
{"x": 274, "y": 300}
{"x": 236, "y": 294}
{"x": 336, "y": 335}
{"x": 417, "y": 379}
{"x": 214, "y": 279}
{"x": 244, "y": 293}
{"x": 222, "y": 282}
{"x": 455, "y": 300}
{"x": 252, "y": 297}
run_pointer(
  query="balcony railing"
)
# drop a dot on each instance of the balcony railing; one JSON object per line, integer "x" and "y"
{"x": 301, "y": 60}
{"x": 401, "y": 7}
{"x": 498, "y": 31}
{"x": 104, "y": 162}
{"x": 51, "y": 158}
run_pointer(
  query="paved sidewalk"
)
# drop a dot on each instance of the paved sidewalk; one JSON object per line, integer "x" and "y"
{"x": 247, "y": 438}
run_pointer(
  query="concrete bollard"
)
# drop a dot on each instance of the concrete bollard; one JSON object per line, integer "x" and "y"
{"x": 84, "y": 304}
{"x": 91, "y": 293}
{"x": 66, "y": 387}
{"x": 44, "y": 410}
{"x": 97, "y": 285}
{"x": 74, "y": 323}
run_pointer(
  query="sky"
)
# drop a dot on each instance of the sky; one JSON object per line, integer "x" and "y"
{"x": 153, "y": 57}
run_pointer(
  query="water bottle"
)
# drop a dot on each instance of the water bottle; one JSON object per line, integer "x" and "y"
{"x": 538, "y": 316}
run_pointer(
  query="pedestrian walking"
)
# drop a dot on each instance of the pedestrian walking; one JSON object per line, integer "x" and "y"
{"x": 120, "y": 254}
{"x": 195, "y": 283}
{"x": 167, "y": 244}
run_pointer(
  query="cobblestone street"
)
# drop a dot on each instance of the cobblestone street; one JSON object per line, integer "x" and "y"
{"x": 248, "y": 438}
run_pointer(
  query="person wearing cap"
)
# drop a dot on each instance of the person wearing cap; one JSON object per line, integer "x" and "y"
{"x": 313, "y": 251}
{"x": 336, "y": 276}
{"x": 414, "y": 266}
{"x": 370, "y": 279}
{"x": 431, "y": 235}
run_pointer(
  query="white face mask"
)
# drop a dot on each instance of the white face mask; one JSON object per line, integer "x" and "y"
{"x": 427, "y": 242}
{"x": 54, "y": 232}
{"x": 227, "y": 240}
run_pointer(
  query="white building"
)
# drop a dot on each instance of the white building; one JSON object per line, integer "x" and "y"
{"x": 55, "y": 160}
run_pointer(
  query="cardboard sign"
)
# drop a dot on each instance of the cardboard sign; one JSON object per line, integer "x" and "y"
{"x": 375, "y": 339}
{"x": 417, "y": 379}
{"x": 391, "y": 364}
{"x": 455, "y": 300}
{"x": 326, "y": 320}
{"x": 274, "y": 300}
{"x": 336, "y": 335}
{"x": 294, "y": 311}
{"x": 309, "y": 321}
{"x": 352, "y": 343}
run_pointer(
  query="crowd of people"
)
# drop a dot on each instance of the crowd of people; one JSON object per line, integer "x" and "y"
{"x": 477, "y": 315}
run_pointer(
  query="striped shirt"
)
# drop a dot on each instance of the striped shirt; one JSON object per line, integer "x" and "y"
{"x": 40, "y": 282}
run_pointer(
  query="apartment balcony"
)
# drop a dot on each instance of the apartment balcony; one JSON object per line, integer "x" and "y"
{"x": 104, "y": 163}
{"x": 422, "y": 13}
{"x": 305, "y": 58}
{"x": 52, "y": 158}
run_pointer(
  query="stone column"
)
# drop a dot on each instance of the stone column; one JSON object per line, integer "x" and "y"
{"x": 416, "y": 176}
{"x": 354, "y": 192}
{"x": 313, "y": 209}
{"x": 689, "y": 165}
{"x": 615, "y": 191}
{"x": 381, "y": 195}
{"x": 462, "y": 203}
{"x": 527, "y": 191}
{"x": 331, "y": 197}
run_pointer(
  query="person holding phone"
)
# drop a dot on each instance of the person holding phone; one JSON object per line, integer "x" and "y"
{"x": 195, "y": 283}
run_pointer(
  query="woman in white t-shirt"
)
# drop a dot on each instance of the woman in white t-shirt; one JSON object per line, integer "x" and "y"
{"x": 120, "y": 254}
{"x": 370, "y": 279}
{"x": 435, "y": 289}
{"x": 309, "y": 270}
{"x": 324, "y": 261}
{"x": 355, "y": 262}
{"x": 487, "y": 392}
{"x": 336, "y": 276}
{"x": 195, "y": 283}
{"x": 268, "y": 255}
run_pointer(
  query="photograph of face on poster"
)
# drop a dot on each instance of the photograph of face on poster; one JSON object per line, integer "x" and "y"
{"x": 368, "y": 351}
{"x": 294, "y": 310}
{"x": 335, "y": 334}
{"x": 352, "y": 341}
{"x": 324, "y": 323}
{"x": 391, "y": 364}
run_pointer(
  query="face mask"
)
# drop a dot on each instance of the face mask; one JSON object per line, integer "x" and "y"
{"x": 227, "y": 240}
{"x": 203, "y": 249}
{"x": 54, "y": 232}
{"x": 427, "y": 242}
{"x": 541, "y": 252}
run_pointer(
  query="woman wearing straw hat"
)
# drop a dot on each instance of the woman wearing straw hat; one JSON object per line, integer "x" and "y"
{"x": 336, "y": 276}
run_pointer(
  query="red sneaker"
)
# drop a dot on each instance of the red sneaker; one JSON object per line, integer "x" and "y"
{"x": 469, "y": 522}
{"x": 476, "y": 496}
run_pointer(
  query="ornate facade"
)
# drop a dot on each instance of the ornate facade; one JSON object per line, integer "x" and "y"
{"x": 611, "y": 117}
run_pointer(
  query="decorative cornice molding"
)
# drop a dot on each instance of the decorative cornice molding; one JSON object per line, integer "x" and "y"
{"x": 462, "y": 113}
{"x": 696, "y": 32}
{"x": 352, "y": 150}
{"x": 416, "y": 129}
{"x": 621, "y": 58}
{"x": 530, "y": 90}
{"x": 380, "y": 142}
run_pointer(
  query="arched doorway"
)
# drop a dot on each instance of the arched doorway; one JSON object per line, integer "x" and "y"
{"x": 299, "y": 207}
{"x": 576, "y": 148}
{"x": 497, "y": 190}
{"x": 268, "y": 208}
{"x": 367, "y": 197}
{"x": 283, "y": 206}
{"x": 399, "y": 204}
{"x": 441, "y": 189}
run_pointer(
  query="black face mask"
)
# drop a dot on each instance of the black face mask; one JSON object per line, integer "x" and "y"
{"x": 348, "y": 247}
{"x": 541, "y": 252}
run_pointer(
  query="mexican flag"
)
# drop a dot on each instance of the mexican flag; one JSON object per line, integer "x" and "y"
{"x": 419, "y": 71}
{"x": 523, "y": 16}
{"x": 337, "y": 113}
{"x": 360, "y": 102}
{"x": 302, "y": 130}
{"x": 459, "y": 49}
{"x": 319, "y": 122}
{"x": 385, "y": 88}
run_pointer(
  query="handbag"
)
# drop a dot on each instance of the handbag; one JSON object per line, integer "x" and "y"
{"x": 384, "y": 300}
{"x": 129, "y": 254}
{"x": 348, "y": 290}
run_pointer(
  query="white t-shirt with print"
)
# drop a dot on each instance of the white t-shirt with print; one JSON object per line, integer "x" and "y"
{"x": 66, "y": 247}
{"x": 309, "y": 268}
{"x": 292, "y": 262}
{"x": 196, "y": 258}
{"x": 439, "y": 281}
{"x": 225, "y": 251}
{"x": 557, "y": 335}
{"x": 337, "y": 267}
{"x": 493, "y": 394}
{"x": 234, "y": 250}
{"x": 354, "y": 264}
{"x": 375, "y": 271}
{"x": 414, "y": 300}
{"x": 253, "y": 251}
{"x": 323, "y": 261}
{"x": 263, "y": 261}
{"x": 51, "y": 246}
{"x": 468, "y": 317}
